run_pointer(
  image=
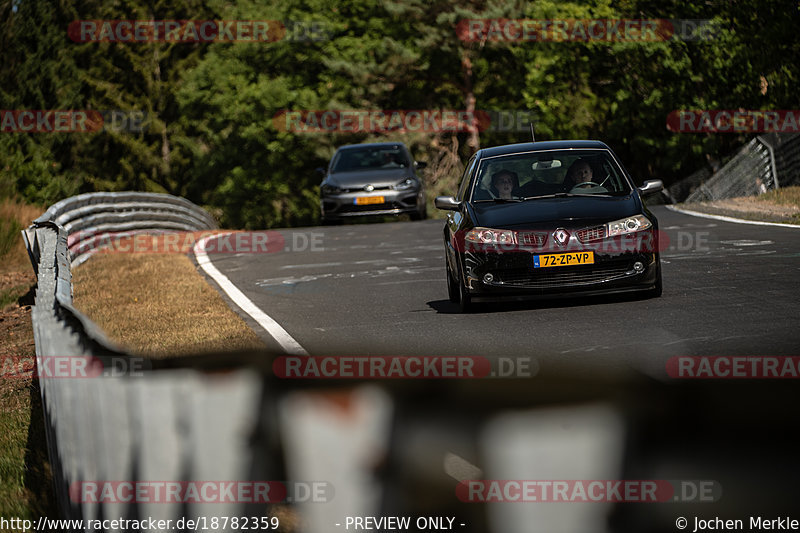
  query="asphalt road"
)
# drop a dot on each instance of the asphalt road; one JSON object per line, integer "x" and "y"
{"x": 729, "y": 289}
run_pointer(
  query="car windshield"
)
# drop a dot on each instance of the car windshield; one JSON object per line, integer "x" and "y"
{"x": 357, "y": 159}
{"x": 523, "y": 176}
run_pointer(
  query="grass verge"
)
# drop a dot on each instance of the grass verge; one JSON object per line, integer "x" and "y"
{"x": 780, "y": 205}
{"x": 158, "y": 305}
{"x": 25, "y": 482}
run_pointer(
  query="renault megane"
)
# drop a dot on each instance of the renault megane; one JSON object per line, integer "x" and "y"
{"x": 549, "y": 218}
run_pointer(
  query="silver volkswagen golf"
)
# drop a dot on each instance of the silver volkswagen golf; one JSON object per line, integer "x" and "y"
{"x": 372, "y": 179}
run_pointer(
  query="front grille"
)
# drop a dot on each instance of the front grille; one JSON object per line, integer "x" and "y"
{"x": 531, "y": 238}
{"x": 361, "y": 189}
{"x": 352, "y": 208}
{"x": 544, "y": 278}
{"x": 591, "y": 234}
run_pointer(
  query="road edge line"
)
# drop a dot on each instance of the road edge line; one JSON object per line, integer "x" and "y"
{"x": 281, "y": 336}
{"x": 729, "y": 219}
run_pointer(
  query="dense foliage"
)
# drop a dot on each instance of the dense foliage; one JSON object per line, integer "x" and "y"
{"x": 209, "y": 131}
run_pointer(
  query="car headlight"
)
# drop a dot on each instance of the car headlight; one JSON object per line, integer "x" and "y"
{"x": 404, "y": 185}
{"x": 330, "y": 189}
{"x": 627, "y": 225}
{"x": 491, "y": 236}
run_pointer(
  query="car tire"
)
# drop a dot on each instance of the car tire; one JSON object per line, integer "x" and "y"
{"x": 464, "y": 299}
{"x": 656, "y": 291}
{"x": 452, "y": 285}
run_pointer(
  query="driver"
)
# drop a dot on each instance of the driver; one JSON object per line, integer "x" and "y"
{"x": 579, "y": 174}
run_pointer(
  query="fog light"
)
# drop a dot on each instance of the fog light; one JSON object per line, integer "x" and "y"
{"x": 488, "y": 277}
{"x": 638, "y": 266}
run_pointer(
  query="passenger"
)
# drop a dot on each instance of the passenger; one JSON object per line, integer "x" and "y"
{"x": 505, "y": 184}
{"x": 392, "y": 160}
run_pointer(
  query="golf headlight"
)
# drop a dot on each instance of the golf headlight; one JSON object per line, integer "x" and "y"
{"x": 627, "y": 225}
{"x": 330, "y": 189}
{"x": 404, "y": 185}
{"x": 491, "y": 236}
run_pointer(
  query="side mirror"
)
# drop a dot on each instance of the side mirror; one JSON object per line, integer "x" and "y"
{"x": 420, "y": 164}
{"x": 448, "y": 203}
{"x": 651, "y": 187}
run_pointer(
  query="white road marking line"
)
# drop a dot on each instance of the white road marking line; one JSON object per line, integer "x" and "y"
{"x": 314, "y": 265}
{"x": 747, "y": 242}
{"x": 459, "y": 468}
{"x": 730, "y": 219}
{"x": 275, "y": 330}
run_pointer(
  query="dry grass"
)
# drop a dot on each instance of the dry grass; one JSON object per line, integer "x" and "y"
{"x": 443, "y": 175}
{"x": 787, "y": 196}
{"x": 15, "y": 216}
{"x": 781, "y": 205}
{"x": 25, "y": 485}
{"x": 158, "y": 305}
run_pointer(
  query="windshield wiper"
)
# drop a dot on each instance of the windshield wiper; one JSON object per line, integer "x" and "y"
{"x": 500, "y": 200}
{"x": 565, "y": 195}
{"x": 554, "y": 195}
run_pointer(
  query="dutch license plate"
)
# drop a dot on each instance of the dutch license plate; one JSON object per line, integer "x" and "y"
{"x": 368, "y": 200}
{"x": 567, "y": 259}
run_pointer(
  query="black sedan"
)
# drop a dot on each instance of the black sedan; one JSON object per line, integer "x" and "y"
{"x": 372, "y": 179}
{"x": 549, "y": 218}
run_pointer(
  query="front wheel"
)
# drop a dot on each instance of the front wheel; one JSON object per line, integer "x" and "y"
{"x": 656, "y": 291}
{"x": 452, "y": 285}
{"x": 464, "y": 299}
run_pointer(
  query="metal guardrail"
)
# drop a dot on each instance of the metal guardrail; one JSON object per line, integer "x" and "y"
{"x": 86, "y": 216}
{"x": 765, "y": 163}
{"x": 114, "y": 427}
{"x": 750, "y": 172}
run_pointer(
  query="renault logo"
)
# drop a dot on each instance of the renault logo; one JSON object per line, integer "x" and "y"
{"x": 369, "y": 188}
{"x": 561, "y": 236}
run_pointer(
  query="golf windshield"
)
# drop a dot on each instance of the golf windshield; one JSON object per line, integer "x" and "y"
{"x": 356, "y": 159}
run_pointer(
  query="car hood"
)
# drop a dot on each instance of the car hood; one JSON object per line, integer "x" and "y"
{"x": 377, "y": 177}
{"x": 554, "y": 210}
